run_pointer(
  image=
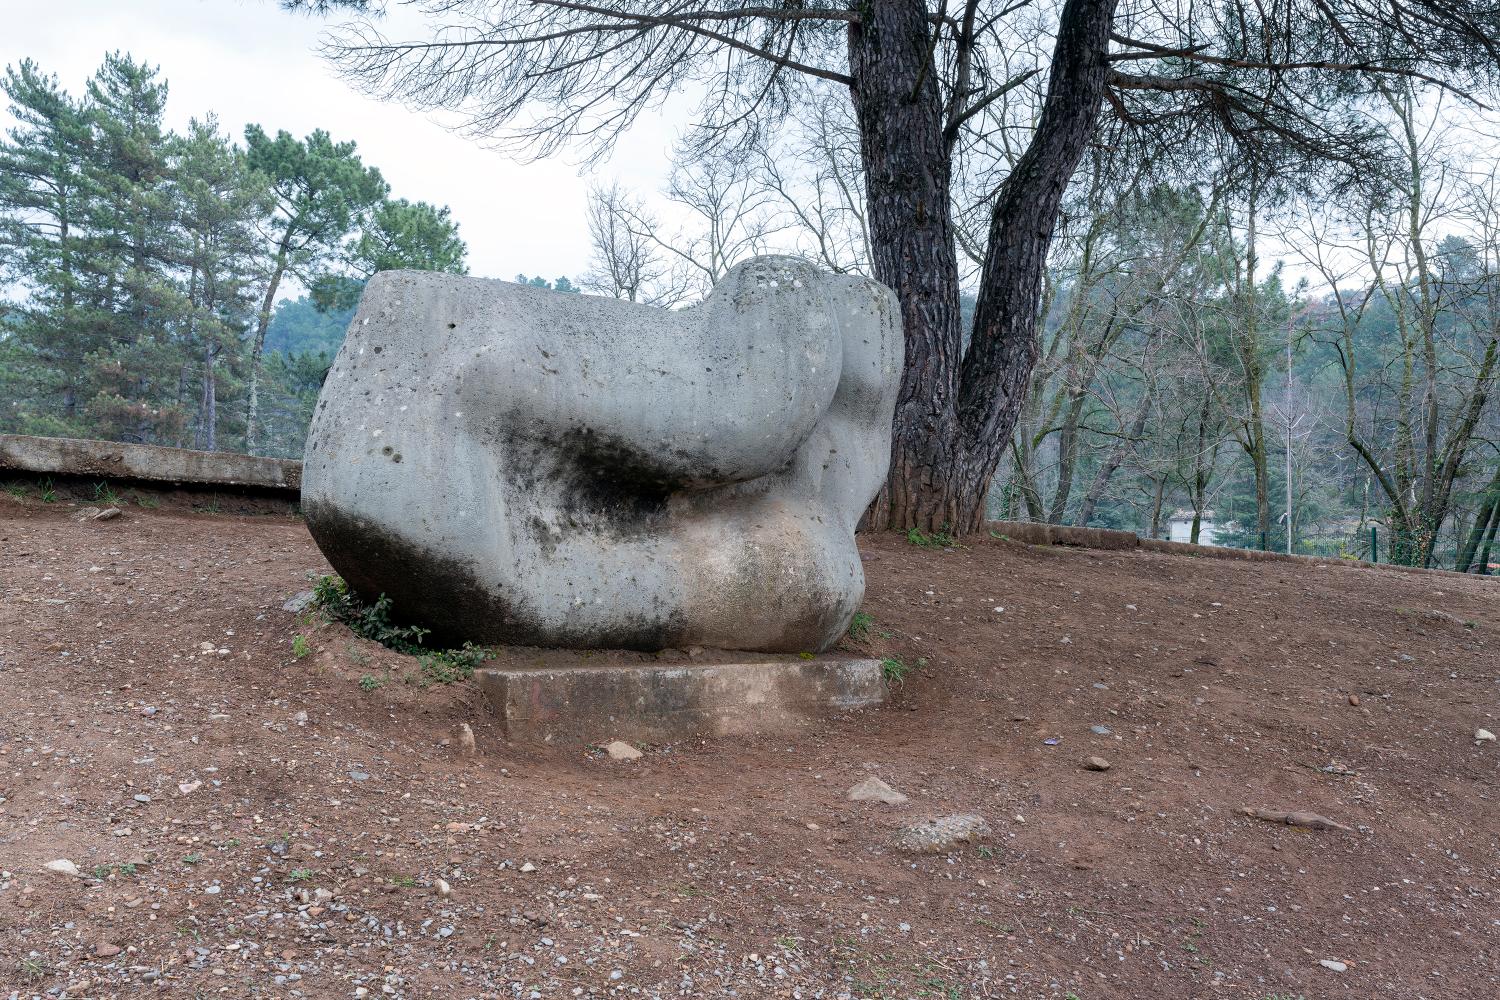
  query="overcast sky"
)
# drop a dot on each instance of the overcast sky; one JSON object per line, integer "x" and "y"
{"x": 248, "y": 61}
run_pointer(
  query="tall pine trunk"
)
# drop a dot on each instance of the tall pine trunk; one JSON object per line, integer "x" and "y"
{"x": 907, "y": 166}
{"x": 208, "y": 409}
{"x": 258, "y": 346}
{"x": 956, "y": 408}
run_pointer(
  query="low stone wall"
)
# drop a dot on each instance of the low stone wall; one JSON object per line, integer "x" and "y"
{"x": 1033, "y": 533}
{"x": 146, "y": 463}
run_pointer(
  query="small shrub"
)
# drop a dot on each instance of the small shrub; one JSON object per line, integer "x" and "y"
{"x": 299, "y": 646}
{"x": 450, "y": 665}
{"x": 859, "y": 625}
{"x": 368, "y": 621}
{"x": 373, "y": 622}
{"x": 369, "y": 682}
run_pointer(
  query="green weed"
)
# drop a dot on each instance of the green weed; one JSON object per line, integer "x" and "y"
{"x": 299, "y": 646}
{"x": 894, "y": 670}
{"x": 373, "y": 622}
{"x": 103, "y": 494}
{"x": 859, "y": 625}
{"x": 940, "y": 539}
{"x": 147, "y": 501}
{"x": 49, "y": 494}
{"x": 369, "y": 682}
{"x": 299, "y": 875}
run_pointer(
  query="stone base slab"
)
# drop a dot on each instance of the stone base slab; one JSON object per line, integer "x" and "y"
{"x": 661, "y": 703}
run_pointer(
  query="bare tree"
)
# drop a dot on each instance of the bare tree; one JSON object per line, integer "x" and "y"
{"x": 925, "y": 82}
{"x": 727, "y": 219}
{"x": 1413, "y": 402}
{"x": 626, "y": 261}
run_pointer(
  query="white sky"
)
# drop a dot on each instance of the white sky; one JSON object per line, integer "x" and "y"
{"x": 248, "y": 61}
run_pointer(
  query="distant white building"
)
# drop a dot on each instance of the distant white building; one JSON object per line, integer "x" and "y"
{"x": 1180, "y": 527}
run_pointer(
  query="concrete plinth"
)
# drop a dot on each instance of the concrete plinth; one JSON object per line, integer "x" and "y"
{"x": 659, "y": 702}
{"x": 147, "y": 463}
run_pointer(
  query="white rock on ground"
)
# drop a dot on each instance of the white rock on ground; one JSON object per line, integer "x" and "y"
{"x": 62, "y": 866}
{"x": 942, "y": 833}
{"x": 620, "y": 750}
{"x": 1484, "y": 735}
{"x": 872, "y": 789}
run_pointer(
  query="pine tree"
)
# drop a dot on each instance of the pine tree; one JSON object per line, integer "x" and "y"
{"x": 133, "y": 301}
{"x": 321, "y": 193}
{"x": 41, "y": 218}
{"x": 219, "y": 202}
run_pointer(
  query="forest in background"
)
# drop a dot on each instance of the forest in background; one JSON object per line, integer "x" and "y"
{"x": 143, "y": 267}
{"x": 1180, "y": 367}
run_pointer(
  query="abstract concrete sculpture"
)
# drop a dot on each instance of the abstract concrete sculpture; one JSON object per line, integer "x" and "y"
{"x": 514, "y": 465}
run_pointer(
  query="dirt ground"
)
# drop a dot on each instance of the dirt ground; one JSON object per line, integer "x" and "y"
{"x": 249, "y": 822}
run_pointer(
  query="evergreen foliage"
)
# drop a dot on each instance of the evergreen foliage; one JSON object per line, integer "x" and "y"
{"x": 141, "y": 267}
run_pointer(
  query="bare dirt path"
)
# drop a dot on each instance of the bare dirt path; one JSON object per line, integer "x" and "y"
{"x": 249, "y": 822}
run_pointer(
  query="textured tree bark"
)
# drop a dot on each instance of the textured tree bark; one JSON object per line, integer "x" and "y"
{"x": 900, "y": 113}
{"x": 957, "y": 409}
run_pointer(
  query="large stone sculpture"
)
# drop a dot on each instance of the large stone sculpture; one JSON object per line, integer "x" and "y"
{"x": 514, "y": 465}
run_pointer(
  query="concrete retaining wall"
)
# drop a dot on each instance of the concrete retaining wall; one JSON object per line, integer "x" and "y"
{"x": 147, "y": 464}
{"x": 1033, "y": 533}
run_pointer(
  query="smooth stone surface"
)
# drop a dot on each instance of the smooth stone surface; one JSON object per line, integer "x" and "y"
{"x": 514, "y": 465}
{"x": 659, "y": 703}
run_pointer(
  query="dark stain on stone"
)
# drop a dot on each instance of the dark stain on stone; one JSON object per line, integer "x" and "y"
{"x": 448, "y": 596}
